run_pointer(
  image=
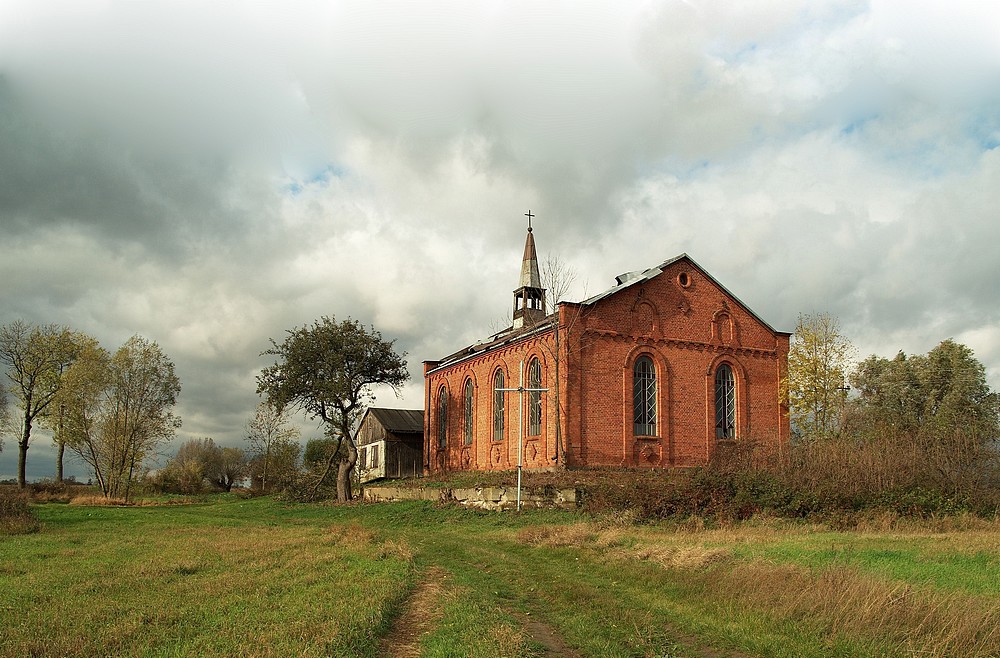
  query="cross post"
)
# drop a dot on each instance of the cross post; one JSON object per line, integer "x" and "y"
{"x": 521, "y": 390}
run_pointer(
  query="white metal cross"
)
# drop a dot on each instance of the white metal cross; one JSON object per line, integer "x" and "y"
{"x": 520, "y": 417}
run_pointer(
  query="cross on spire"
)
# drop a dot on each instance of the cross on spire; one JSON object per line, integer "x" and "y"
{"x": 529, "y": 216}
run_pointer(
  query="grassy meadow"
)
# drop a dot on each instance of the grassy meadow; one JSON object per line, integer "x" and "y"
{"x": 261, "y": 578}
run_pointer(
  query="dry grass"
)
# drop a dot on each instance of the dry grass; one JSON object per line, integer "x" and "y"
{"x": 837, "y": 599}
{"x": 356, "y": 538}
{"x": 681, "y": 557}
{"x": 847, "y": 602}
{"x": 92, "y": 500}
{"x": 95, "y": 500}
{"x": 577, "y": 534}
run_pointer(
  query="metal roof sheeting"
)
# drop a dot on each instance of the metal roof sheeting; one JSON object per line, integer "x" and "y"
{"x": 400, "y": 421}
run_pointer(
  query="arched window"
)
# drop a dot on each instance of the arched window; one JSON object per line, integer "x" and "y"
{"x": 725, "y": 403}
{"x": 442, "y": 419}
{"x": 468, "y": 412}
{"x": 498, "y": 398}
{"x": 534, "y": 398}
{"x": 644, "y": 397}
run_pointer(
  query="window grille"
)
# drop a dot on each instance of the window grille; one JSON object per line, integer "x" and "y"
{"x": 644, "y": 397}
{"x": 498, "y": 398}
{"x": 442, "y": 418}
{"x": 725, "y": 403}
{"x": 534, "y": 398}
{"x": 468, "y": 412}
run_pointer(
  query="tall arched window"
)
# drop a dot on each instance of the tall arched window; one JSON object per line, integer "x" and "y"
{"x": 644, "y": 397}
{"x": 442, "y": 419}
{"x": 534, "y": 398}
{"x": 725, "y": 403}
{"x": 468, "y": 412}
{"x": 498, "y": 398}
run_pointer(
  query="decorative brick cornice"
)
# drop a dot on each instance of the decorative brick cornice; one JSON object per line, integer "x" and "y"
{"x": 683, "y": 344}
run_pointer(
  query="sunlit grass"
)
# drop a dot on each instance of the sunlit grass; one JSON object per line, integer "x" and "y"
{"x": 262, "y": 578}
{"x": 168, "y": 582}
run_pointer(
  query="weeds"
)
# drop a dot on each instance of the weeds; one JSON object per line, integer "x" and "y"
{"x": 16, "y": 517}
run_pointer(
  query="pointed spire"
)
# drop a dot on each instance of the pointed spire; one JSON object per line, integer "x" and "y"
{"x": 529, "y": 298}
{"x": 529, "y": 264}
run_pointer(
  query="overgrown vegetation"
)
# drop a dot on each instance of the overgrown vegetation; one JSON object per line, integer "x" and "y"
{"x": 16, "y": 516}
{"x": 840, "y": 481}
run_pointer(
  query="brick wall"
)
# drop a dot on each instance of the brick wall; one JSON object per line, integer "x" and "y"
{"x": 682, "y": 319}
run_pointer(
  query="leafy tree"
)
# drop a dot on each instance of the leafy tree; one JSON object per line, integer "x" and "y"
{"x": 120, "y": 411}
{"x": 201, "y": 461}
{"x": 944, "y": 390}
{"x": 943, "y": 404}
{"x": 890, "y": 395}
{"x": 318, "y": 450}
{"x": 87, "y": 350}
{"x": 327, "y": 370}
{"x": 229, "y": 467}
{"x": 268, "y": 433}
{"x": 186, "y": 470}
{"x": 818, "y": 359}
{"x": 35, "y": 357}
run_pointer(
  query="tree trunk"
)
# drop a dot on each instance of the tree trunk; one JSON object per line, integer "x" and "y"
{"x": 263, "y": 470}
{"x": 22, "y": 451}
{"x": 62, "y": 446}
{"x": 344, "y": 492}
{"x": 59, "y": 462}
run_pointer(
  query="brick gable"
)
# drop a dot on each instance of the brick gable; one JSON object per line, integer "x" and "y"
{"x": 676, "y": 314}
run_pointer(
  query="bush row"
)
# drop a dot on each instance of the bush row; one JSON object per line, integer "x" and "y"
{"x": 747, "y": 480}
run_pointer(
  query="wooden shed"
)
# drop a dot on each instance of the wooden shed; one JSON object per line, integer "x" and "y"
{"x": 390, "y": 444}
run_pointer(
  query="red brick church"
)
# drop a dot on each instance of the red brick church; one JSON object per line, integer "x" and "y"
{"x": 654, "y": 372}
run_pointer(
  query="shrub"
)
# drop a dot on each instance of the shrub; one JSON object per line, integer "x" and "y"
{"x": 16, "y": 515}
{"x": 50, "y": 491}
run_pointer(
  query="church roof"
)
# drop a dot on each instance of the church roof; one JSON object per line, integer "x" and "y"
{"x": 400, "y": 421}
{"x": 622, "y": 282}
{"x": 508, "y": 335}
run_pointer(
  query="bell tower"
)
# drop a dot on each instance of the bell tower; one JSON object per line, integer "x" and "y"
{"x": 529, "y": 297}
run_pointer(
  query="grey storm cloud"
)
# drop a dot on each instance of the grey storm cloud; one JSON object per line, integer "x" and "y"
{"x": 209, "y": 176}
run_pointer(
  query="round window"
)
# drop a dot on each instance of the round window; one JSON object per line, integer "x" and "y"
{"x": 684, "y": 279}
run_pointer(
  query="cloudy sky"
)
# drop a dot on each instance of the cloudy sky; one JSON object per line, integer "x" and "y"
{"x": 208, "y": 175}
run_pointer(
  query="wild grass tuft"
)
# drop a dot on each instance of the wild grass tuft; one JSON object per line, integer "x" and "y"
{"x": 568, "y": 535}
{"x": 16, "y": 517}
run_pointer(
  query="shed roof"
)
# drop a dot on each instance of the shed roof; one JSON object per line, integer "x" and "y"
{"x": 400, "y": 421}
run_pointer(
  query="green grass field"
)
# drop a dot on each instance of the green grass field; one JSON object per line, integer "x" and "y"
{"x": 261, "y": 578}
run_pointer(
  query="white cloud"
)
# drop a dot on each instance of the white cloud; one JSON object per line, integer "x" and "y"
{"x": 211, "y": 176}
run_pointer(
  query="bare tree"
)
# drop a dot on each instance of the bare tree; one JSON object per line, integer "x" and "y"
{"x": 4, "y": 416}
{"x": 558, "y": 277}
{"x": 268, "y": 430}
{"x": 36, "y": 357}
